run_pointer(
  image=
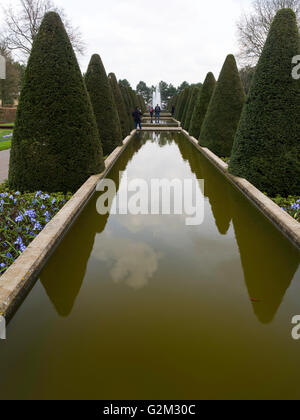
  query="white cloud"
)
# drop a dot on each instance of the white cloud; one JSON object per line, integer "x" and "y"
{"x": 171, "y": 40}
{"x": 131, "y": 262}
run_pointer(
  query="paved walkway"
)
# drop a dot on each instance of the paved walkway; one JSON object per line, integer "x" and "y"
{"x": 4, "y": 161}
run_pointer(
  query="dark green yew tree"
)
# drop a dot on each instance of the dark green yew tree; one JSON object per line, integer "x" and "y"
{"x": 104, "y": 106}
{"x": 224, "y": 111}
{"x": 123, "y": 117}
{"x": 266, "y": 150}
{"x": 56, "y": 144}
{"x": 201, "y": 105}
{"x": 195, "y": 93}
{"x": 182, "y": 102}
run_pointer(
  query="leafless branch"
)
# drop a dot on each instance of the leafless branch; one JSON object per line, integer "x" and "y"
{"x": 253, "y": 29}
{"x": 22, "y": 25}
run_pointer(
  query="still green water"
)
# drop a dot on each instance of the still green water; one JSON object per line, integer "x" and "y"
{"x": 145, "y": 307}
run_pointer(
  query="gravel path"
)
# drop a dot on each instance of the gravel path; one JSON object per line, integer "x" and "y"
{"x": 4, "y": 161}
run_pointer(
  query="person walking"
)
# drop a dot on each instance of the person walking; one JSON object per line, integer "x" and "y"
{"x": 151, "y": 114}
{"x": 157, "y": 113}
{"x": 137, "y": 118}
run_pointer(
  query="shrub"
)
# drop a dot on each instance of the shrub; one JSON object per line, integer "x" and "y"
{"x": 120, "y": 105}
{"x": 184, "y": 115}
{"x": 182, "y": 103}
{"x": 56, "y": 144}
{"x": 195, "y": 93}
{"x": 224, "y": 111}
{"x": 104, "y": 106}
{"x": 201, "y": 105}
{"x": 266, "y": 150}
{"x": 127, "y": 101}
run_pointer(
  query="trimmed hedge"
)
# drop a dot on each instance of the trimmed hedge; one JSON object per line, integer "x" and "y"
{"x": 56, "y": 144}
{"x": 127, "y": 101}
{"x": 266, "y": 150}
{"x": 195, "y": 93}
{"x": 182, "y": 103}
{"x": 104, "y": 106}
{"x": 186, "y": 107}
{"x": 123, "y": 117}
{"x": 201, "y": 106}
{"x": 224, "y": 111}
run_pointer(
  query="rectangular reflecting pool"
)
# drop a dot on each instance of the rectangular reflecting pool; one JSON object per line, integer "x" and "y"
{"x": 145, "y": 307}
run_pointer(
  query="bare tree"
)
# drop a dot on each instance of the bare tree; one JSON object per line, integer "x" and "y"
{"x": 22, "y": 25}
{"x": 253, "y": 28}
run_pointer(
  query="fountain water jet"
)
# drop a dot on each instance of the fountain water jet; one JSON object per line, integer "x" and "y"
{"x": 156, "y": 99}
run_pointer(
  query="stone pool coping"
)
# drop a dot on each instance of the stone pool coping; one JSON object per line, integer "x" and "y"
{"x": 161, "y": 128}
{"x": 19, "y": 278}
{"x": 281, "y": 219}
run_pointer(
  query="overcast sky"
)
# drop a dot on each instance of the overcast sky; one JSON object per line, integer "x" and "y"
{"x": 153, "y": 40}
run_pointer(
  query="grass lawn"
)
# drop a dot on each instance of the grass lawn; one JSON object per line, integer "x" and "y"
{"x": 7, "y": 124}
{"x": 5, "y": 143}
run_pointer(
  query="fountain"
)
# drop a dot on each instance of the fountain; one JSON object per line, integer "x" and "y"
{"x": 156, "y": 97}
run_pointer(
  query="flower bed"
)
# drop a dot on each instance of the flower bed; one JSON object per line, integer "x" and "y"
{"x": 291, "y": 205}
{"x": 23, "y": 217}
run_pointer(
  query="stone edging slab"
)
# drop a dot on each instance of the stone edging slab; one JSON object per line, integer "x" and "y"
{"x": 161, "y": 128}
{"x": 22, "y": 274}
{"x": 281, "y": 219}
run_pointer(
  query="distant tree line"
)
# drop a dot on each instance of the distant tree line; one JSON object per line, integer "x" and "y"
{"x": 168, "y": 90}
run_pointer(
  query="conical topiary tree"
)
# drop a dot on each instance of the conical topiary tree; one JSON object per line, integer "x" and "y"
{"x": 120, "y": 105}
{"x": 56, "y": 144}
{"x": 104, "y": 106}
{"x": 267, "y": 144}
{"x": 179, "y": 101}
{"x": 195, "y": 93}
{"x": 183, "y": 101}
{"x": 201, "y": 105}
{"x": 127, "y": 101}
{"x": 224, "y": 111}
{"x": 184, "y": 115}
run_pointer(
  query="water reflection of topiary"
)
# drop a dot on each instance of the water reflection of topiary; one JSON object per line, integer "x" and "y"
{"x": 268, "y": 270}
{"x": 72, "y": 256}
{"x": 215, "y": 186}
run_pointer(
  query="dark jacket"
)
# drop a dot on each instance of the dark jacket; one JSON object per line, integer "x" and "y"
{"x": 157, "y": 109}
{"x": 137, "y": 115}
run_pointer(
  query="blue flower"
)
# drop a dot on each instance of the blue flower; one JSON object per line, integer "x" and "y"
{"x": 30, "y": 213}
{"x": 19, "y": 218}
{"x": 37, "y": 226}
{"x": 19, "y": 241}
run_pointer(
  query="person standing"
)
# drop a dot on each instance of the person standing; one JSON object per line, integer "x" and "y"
{"x": 173, "y": 110}
{"x": 151, "y": 114}
{"x": 157, "y": 113}
{"x": 137, "y": 118}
